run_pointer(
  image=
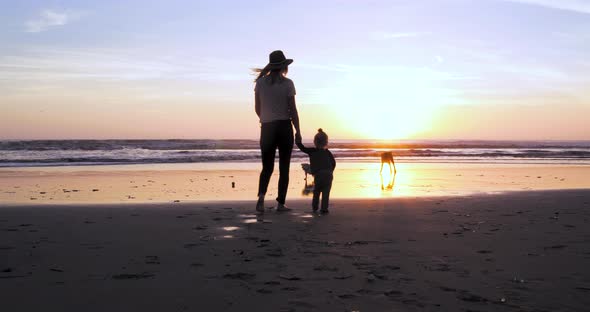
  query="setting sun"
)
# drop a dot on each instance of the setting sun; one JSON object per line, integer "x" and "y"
{"x": 387, "y": 103}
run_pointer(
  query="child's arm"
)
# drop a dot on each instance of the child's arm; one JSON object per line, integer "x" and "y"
{"x": 303, "y": 148}
{"x": 332, "y": 160}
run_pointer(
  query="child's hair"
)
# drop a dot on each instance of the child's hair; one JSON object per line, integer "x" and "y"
{"x": 320, "y": 139}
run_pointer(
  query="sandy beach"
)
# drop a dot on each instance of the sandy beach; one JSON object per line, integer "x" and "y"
{"x": 181, "y": 237}
{"x": 518, "y": 251}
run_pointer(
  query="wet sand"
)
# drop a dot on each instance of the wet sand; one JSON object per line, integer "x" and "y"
{"x": 213, "y": 181}
{"x": 520, "y": 251}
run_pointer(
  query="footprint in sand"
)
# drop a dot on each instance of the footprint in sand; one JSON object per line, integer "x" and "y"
{"x": 239, "y": 276}
{"x": 555, "y": 247}
{"x": 126, "y": 276}
{"x": 152, "y": 260}
{"x": 290, "y": 277}
{"x": 264, "y": 291}
{"x": 302, "y": 304}
{"x": 325, "y": 268}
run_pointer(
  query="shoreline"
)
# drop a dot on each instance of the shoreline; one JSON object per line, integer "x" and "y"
{"x": 522, "y": 251}
{"x": 302, "y": 158}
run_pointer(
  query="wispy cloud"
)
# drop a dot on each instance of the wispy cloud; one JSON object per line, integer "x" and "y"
{"x": 48, "y": 19}
{"x": 580, "y": 6}
{"x": 397, "y": 35}
{"x": 50, "y": 65}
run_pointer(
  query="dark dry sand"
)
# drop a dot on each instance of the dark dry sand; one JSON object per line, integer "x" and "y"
{"x": 525, "y": 251}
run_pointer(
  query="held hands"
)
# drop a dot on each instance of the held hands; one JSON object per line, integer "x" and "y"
{"x": 298, "y": 137}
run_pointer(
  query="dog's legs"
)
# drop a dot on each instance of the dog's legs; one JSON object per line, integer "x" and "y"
{"x": 391, "y": 182}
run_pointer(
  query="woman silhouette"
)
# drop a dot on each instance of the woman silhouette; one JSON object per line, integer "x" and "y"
{"x": 274, "y": 98}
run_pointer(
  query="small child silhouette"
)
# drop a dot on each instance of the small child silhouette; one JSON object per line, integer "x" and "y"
{"x": 322, "y": 165}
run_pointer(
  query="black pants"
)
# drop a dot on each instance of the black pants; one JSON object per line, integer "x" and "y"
{"x": 273, "y": 135}
{"x": 322, "y": 184}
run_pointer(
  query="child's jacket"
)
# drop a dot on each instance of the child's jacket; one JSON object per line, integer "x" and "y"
{"x": 319, "y": 159}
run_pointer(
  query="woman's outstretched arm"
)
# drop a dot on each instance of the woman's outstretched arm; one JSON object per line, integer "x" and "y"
{"x": 294, "y": 118}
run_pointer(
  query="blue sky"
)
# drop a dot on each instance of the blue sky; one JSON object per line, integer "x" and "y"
{"x": 383, "y": 69}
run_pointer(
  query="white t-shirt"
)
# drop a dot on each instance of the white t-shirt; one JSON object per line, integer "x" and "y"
{"x": 274, "y": 104}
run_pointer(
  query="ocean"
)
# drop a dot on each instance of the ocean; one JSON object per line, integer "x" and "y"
{"x": 113, "y": 152}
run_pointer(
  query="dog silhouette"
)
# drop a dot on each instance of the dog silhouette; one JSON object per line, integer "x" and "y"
{"x": 387, "y": 158}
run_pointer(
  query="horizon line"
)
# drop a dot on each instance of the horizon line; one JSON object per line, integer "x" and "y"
{"x": 333, "y": 140}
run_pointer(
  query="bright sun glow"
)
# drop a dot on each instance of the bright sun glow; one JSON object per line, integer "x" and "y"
{"x": 388, "y": 104}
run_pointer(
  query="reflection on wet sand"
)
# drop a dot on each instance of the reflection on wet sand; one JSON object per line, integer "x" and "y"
{"x": 363, "y": 184}
{"x": 307, "y": 186}
{"x": 370, "y": 182}
{"x": 390, "y": 181}
{"x": 307, "y": 189}
{"x": 384, "y": 176}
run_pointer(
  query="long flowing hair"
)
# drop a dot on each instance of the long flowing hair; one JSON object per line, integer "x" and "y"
{"x": 275, "y": 74}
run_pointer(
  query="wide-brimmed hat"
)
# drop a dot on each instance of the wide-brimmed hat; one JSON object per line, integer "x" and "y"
{"x": 276, "y": 60}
